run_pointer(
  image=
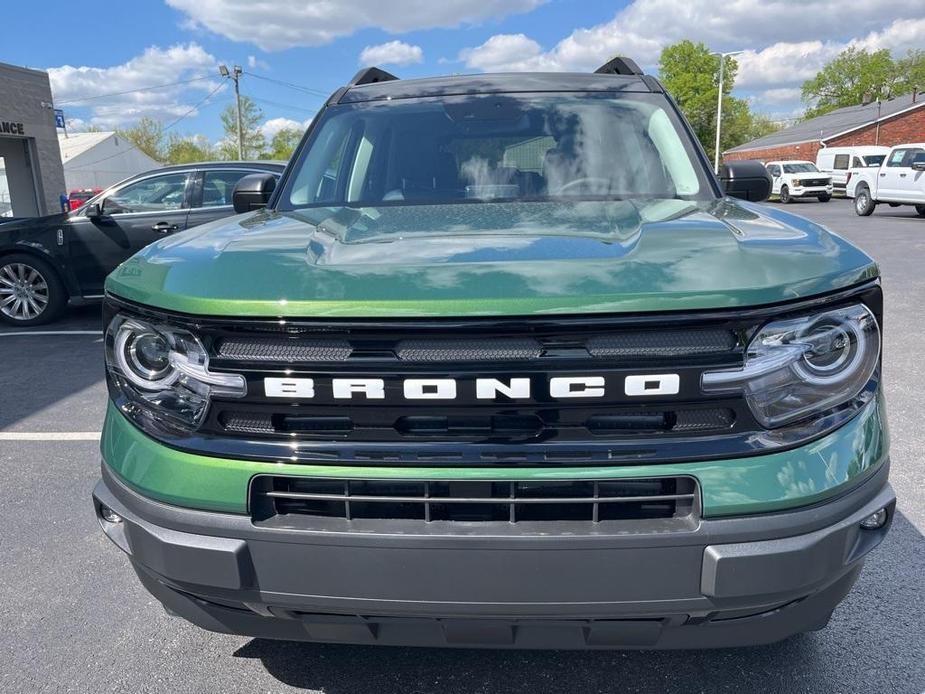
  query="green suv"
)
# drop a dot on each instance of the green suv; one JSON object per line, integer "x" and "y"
{"x": 499, "y": 362}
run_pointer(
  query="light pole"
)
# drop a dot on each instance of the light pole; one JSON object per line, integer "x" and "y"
{"x": 235, "y": 75}
{"x": 719, "y": 105}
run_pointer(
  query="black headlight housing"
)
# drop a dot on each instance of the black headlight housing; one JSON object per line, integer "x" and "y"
{"x": 158, "y": 374}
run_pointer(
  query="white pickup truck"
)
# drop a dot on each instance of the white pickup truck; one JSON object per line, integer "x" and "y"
{"x": 899, "y": 180}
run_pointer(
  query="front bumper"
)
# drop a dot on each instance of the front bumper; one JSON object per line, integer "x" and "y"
{"x": 729, "y": 582}
{"x": 810, "y": 191}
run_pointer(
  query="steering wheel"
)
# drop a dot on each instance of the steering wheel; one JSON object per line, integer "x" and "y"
{"x": 586, "y": 181}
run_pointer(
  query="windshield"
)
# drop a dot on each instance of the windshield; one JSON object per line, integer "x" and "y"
{"x": 874, "y": 159}
{"x": 494, "y": 148}
{"x": 800, "y": 167}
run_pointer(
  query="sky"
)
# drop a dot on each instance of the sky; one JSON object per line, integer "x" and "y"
{"x": 110, "y": 63}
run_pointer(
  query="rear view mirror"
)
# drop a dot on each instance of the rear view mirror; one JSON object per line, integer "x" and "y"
{"x": 253, "y": 192}
{"x": 918, "y": 166}
{"x": 746, "y": 179}
{"x": 95, "y": 211}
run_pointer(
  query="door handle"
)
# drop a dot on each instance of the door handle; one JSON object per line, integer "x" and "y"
{"x": 882, "y": 175}
{"x": 164, "y": 227}
{"x": 902, "y": 175}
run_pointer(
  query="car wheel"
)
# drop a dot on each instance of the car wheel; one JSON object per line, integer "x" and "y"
{"x": 825, "y": 197}
{"x": 863, "y": 203}
{"x": 785, "y": 195}
{"x": 31, "y": 293}
{"x": 920, "y": 210}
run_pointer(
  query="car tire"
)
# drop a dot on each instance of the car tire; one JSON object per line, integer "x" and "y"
{"x": 825, "y": 197}
{"x": 920, "y": 210}
{"x": 785, "y": 195}
{"x": 863, "y": 204}
{"x": 31, "y": 292}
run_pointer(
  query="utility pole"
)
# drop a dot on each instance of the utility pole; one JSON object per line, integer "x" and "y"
{"x": 719, "y": 105}
{"x": 235, "y": 76}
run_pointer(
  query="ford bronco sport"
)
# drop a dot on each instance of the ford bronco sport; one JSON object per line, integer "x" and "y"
{"x": 498, "y": 362}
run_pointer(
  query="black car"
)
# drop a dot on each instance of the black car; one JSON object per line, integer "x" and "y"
{"x": 46, "y": 261}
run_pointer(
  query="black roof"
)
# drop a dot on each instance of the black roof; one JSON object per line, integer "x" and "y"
{"x": 493, "y": 84}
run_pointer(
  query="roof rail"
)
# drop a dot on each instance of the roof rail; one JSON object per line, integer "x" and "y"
{"x": 371, "y": 75}
{"x": 619, "y": 66}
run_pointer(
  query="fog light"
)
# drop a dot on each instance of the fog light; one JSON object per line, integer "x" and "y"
{"x": 875, "y": 520}
{"x": 109, "y": 515}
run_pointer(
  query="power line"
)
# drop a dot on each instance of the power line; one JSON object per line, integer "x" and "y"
{"x": 131, "y": 91}
{"x": 280, "y": 105}
{"x": 299, "y": 87}
{"x": 165, "y": 128}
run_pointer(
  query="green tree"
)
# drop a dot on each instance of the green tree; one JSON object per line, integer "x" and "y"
{"x": 251, "y": 117}
{"x": 690, "y": 73}
{"x": 853, "y": 77}
{"x": 911, "y": 71}
{"x": 186, "y": 149}
{"x": 147, "y": 135}
{"x": 283, "y": 144}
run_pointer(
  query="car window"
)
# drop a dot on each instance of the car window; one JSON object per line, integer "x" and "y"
{"x": 896, "y": 157}
{"x": 155, "y": 194}
{"x": 486, "y": 148}
{"x": 800, "y": 167}
{"x": 218, "y": 185}
{"x": 842, "y": 160}
{"x": 914, "y": 155}
{"x": 774, "y": 170}
{"x": 870, "y": 160}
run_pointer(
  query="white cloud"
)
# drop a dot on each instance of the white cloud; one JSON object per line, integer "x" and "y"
{"x": 644, "y": 27}
{"x": 254, "y": 62}
{"x": 274, "y": 125}
{"x": 503, "y": 53}
{"x": 87, "y": 86}
{"x": 785, "y": 48}
{"x": 391, "y": 53}
{"x": 287, "y": 23}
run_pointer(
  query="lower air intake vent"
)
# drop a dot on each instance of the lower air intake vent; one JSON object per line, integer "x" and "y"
{"x": 591, "y": 502}
{"x": 278, "y": 350}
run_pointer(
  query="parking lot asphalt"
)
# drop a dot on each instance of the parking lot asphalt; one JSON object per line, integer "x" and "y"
{"x": 73, "y": 617}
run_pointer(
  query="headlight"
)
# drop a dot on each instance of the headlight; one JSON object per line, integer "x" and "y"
{"x": 163, "y": 374}
{"x": 804, "y": 366}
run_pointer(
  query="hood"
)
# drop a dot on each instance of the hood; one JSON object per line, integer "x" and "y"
{"x": 492, "y": 259}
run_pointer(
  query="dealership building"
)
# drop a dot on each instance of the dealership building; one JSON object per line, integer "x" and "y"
{"x": 890, "y": 122}
{"x": 31, "y": 173}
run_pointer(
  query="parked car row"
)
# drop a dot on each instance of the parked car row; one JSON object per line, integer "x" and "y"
{"x": 869, "y": 175}
{"x": 45, "y": 261}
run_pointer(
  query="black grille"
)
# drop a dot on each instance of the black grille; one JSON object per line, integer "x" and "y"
{"x": 590, "y": 502}
{"x": 627, "y": 345}
{"x": 665, "y": 343}
{"x": 284, "y": 350}
{"x": 468, "y": 350}
{"x": 373, "y": 425}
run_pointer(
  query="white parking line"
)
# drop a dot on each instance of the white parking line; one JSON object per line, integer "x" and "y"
{"x": 50, "y": 435}
{"x": 52, "y": 332}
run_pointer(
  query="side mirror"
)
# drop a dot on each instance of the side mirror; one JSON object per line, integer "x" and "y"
{"x": 746, "y": 179}
{"x": 253, "y": 192}
{"x": 95, "y": 211}
{"x": 918, "y": 166}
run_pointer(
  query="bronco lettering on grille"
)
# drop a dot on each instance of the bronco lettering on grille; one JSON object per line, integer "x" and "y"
{"x": 559, "y": 387}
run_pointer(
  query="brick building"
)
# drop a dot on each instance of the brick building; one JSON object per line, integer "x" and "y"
{"x": 891, "y": 122}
